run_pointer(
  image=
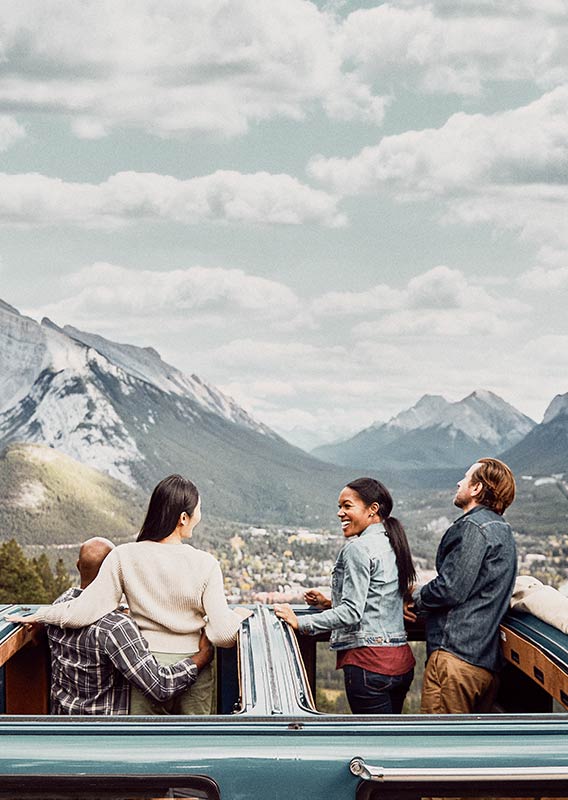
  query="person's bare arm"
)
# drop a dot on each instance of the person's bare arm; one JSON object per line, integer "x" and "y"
{"x": 205, "y": 654}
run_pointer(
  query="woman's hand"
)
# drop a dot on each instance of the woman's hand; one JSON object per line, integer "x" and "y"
{"x": 284, "y": 611}
{"x": 315, "y": 598}
{"x": 409, "y": 612}
{"x": 28, "y": 621}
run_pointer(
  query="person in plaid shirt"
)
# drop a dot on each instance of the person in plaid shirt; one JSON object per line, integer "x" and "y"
{"x": 93, "y": 667}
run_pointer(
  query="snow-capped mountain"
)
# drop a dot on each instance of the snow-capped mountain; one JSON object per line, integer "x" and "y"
{"x": 544, "y": 451}
{"x": 124, "y": 411}
{"x": 488, "y": 419}
{"x": 427, "y": 411}
{"x": 145, "y": 363}
{"x": 557, "y": 408}
{"x": 60, "y": 397}
{"x": 435, "y": 434}
{"x": 23, "y": 351}
{"x": 27, "y": 348}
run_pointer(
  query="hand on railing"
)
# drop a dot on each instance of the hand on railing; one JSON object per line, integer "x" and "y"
{"x": 27, "y": 620}
{"x": 284, "y": 611}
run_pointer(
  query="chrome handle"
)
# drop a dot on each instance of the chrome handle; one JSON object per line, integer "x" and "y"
{"x": 368, "y": 772}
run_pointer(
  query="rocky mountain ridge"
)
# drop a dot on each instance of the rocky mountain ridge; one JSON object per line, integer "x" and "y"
{"x": 435, "y": 433}
{"x": 124, "y": 411}
{"x": 544, "y": 451}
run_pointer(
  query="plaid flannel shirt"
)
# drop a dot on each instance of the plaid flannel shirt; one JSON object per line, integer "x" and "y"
{"x": 92, "y": 667}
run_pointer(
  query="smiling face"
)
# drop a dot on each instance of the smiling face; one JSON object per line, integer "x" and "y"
{"x": 354, "y": 514}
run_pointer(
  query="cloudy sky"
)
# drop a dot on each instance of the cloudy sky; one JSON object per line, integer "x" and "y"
{"x": 327, "y": 209}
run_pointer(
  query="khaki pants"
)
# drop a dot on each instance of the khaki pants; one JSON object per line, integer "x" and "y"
{"x": 197, "y": 699}
{"x": 452, "y": 686}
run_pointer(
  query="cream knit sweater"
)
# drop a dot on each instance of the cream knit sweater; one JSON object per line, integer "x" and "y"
{"x": 170, "y": 589}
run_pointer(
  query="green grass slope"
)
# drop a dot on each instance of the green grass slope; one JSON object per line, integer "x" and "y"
{"x": 49, "y": 498}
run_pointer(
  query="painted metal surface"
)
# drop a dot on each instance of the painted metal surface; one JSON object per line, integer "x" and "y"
{"x": 289, "y": 757}
{"x": 277, "y": 745}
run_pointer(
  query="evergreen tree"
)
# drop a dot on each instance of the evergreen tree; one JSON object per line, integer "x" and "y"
{"x": 62, "y": 579}
{"x": 53, "y": 583}
{"x": 43, "y": 568}
{"x": 20, "y": 581}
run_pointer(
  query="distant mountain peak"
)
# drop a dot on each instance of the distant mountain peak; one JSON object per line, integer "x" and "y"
{"x": 545, "y": 450}
{"x": 436, "y": 433}
{"x": 27, "y": 348}
{"x": 431, "y": 398}
{"x": 426, "y": 411}
{"x": 482, "y": 394}
{"x": 487, "y": 397}
{"x": 557, "y": 407}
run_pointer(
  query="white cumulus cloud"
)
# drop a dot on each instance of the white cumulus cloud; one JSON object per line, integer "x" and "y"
{"x": 437, "y": 303}
{"x": 537, "y": 212}
{"x": 119, "y": 297}
{"x": 176, "y": 66}
{"x": 522, "y": 146}
{"x": 278, "y": 356}
{"x": 457, "y": 48}
{"x": 33, "y": 199}
{"x": 443, "y": 302}
{"x": 542, "y": 279}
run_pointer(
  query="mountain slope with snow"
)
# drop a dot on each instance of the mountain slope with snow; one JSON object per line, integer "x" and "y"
{"x": 435, "y": 434}
{"x": 146, "y": 364}
{"x": 545, "y": 450}
{"x": 122, "y": 410}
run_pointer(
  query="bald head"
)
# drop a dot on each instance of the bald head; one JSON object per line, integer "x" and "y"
{"x": 91, "y": 555}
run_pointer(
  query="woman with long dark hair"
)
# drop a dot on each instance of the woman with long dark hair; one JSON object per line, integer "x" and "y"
{"x": 372, "y": 574}
{"x": 173, "y": 592}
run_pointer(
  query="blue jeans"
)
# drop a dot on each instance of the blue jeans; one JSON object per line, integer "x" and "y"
{"x": 373, "y": 693}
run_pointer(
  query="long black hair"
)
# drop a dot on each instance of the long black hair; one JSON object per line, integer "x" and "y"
{"x": 372, "y": 491}
{"x": 171, "y": 497}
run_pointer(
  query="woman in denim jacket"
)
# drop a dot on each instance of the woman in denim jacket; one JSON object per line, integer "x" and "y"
{"x": 373, "y": 572}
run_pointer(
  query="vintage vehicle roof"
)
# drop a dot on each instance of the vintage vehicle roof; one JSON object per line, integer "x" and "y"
{"x": 292, "y": 756}
{"x": 278, "y": 742}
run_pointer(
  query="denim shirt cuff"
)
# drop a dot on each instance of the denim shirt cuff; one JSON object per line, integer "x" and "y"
{"x": 417, "y": 598}
{"x": 306, "y": 626}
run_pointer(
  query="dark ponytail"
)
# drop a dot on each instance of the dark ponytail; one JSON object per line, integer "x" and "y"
{"x": 372, "y": 491}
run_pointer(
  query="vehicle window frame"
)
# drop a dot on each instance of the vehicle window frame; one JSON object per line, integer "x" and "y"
{"x": 475, "y": 790}
{"x": 105, "y": 787}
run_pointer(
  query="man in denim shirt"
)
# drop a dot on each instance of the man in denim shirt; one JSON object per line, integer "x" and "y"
{"x": 476, "y": 563}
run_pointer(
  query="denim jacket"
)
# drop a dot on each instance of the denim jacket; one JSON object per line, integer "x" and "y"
{"x": 366, "y": 602}
{"x": 464, "y": 604}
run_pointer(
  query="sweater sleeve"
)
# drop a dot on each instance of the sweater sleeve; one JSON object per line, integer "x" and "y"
{"x": 222, "y": 623}
{"x": 99, "y": 598}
